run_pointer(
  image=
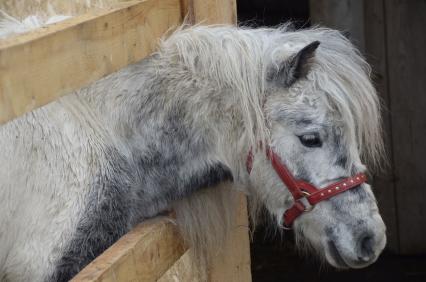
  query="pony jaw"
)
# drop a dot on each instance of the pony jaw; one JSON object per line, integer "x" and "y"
{"x": 342, "y": 245}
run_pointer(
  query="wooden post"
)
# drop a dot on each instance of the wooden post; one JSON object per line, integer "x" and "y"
{"x": 234, "y": 263}
{"x": 210, "y": 12}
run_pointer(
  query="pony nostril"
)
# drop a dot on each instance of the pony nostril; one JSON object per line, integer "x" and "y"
{"x": 366, "y": 248}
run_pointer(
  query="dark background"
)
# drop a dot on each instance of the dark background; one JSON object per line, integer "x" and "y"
{"x": 392, "y": 36}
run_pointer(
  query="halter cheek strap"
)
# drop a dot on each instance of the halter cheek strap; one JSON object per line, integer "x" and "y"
{"x": 300, "y": 189}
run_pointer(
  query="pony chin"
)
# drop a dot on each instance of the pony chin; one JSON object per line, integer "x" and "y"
{"x": 341, "y": 246}
{"x": 333, "y": 256}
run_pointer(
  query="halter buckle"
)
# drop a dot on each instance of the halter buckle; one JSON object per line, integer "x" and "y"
{"x": 304, "y": 201}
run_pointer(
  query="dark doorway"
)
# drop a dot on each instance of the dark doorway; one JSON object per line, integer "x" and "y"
{"x": 274, "y": 257}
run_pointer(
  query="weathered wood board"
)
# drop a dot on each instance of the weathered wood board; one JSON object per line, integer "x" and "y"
{"x": 42, "y": 65}
{"x": 234, "y": 264}
{"x": 210, "y": 12}
{"x": 144, "y": 254}
{"x": 21, "y": 9}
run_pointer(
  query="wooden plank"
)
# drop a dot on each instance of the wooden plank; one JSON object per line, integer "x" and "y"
{"x": 210, "y": 12}
{"x": 182, "y": 271}
{"x": 23, "y": 9}
{"x": 143, "y": 254}
{"x": 231, "y": 265}
{"x": 234, "y": 264}
{"x": 40, "y": 66}
{"x": 406, "y": 45}
{"x": 375, "y": 52}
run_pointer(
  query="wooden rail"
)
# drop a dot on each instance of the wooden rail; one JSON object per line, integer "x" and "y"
{"x": 144, "y": 254}
{"x": 40, "y": 66}
{"x": 153, "y": 251}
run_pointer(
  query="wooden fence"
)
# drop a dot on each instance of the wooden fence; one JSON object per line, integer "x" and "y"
{"x": 38, "y": 67}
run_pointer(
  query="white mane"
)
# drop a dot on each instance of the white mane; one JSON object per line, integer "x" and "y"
{"x": 239, "y": 58}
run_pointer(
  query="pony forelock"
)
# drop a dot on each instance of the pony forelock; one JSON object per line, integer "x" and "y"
{"x": 238, "y": 58}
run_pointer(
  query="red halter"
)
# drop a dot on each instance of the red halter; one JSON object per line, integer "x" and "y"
{"x": 303, "y": 190}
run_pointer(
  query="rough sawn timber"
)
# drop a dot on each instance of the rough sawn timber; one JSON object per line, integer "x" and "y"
{"x": 42, "y": 65}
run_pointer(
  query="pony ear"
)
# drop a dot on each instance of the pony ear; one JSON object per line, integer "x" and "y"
{"x": 297, "y": 66}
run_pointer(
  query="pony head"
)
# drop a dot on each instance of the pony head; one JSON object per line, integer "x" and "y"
{"x": 323, "y": 118}
{"x": 307, "y": 95}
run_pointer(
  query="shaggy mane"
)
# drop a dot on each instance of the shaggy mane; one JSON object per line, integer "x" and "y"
{"x": 238, "y": 58}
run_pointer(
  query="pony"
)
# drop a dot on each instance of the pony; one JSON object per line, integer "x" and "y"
{"x": 173, "y": 132}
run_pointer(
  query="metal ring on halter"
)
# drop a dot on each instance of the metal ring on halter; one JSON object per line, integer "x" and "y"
{"x": 310, "y": 207}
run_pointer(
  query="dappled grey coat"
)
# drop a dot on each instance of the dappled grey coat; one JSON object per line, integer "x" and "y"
{"x": 77, "y": 174}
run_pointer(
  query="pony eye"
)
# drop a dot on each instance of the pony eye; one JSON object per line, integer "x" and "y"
{"x": 310, "y": 140}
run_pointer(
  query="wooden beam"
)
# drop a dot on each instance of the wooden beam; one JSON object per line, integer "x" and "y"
{"x": 143, "y": 254}
{"x": 40, "y": 66}
{"x": 23, "y": 9}
{"x": 210, "y": 12}
{"x": 182, "y": 270}
{"x": 234, "y": 263}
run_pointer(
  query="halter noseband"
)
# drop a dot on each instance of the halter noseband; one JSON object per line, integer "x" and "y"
{"x": 305, "y": 195}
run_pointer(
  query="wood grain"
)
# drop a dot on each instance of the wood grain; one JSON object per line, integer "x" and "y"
{"x": 210, "y": 12}
{"x": 144, "y": 254}
{"x": 181, "y": 271}
{"x": 40, "y": 66}
{"x": 234, "y": 264}
{"x": 47, "y": 8}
